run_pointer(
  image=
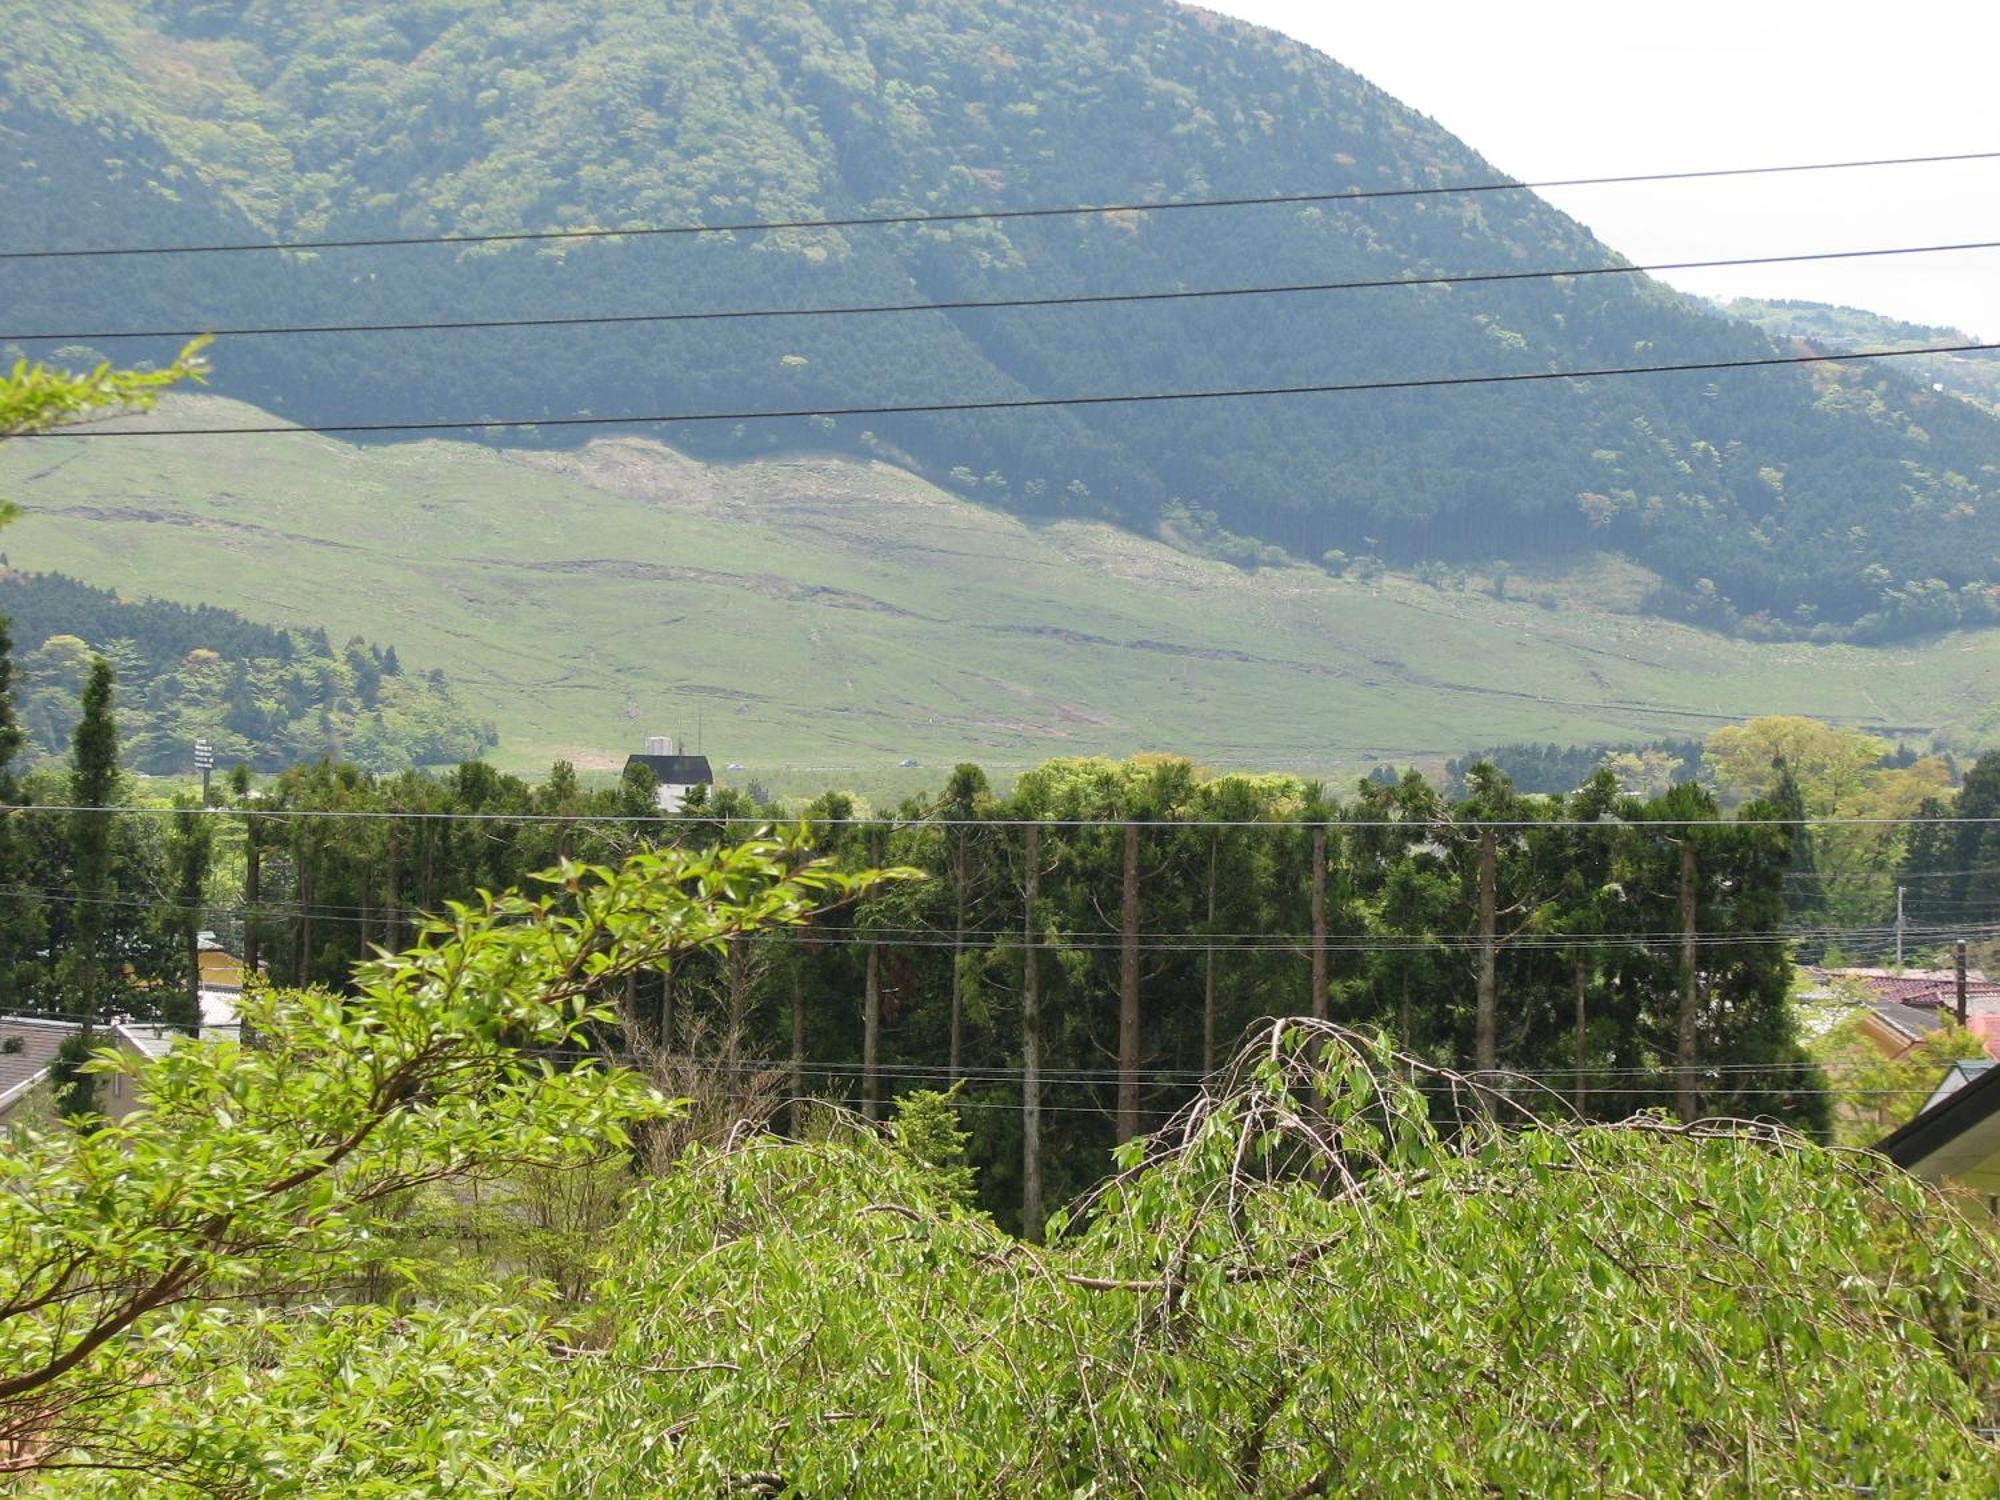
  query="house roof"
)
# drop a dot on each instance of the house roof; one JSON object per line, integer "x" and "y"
{"x": 1962, "y": 1072}
{"x": 1928, "y": 988}
{"x": 675, "y": 770}
{"x": 148, "y": 1039}
{"x": 1910, "y": 1021}
{"x": 22, "y": 1068}
{"x": 1957, "y": 1136}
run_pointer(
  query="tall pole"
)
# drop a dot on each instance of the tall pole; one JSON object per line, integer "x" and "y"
{"x": 1208, "y": 962}
{"x": 1486, "y": 1039}
{"x": 1031, "y": 1045}
{"x": 1958, "y": 966}
{"x": 1128, "y": 991}
{"x": 1899, "y": 927}
{"x": 871, "y": 1010}
{"x": 959, "y": 879}
{"x": 1319, "y": 1008}
{"x": 1686, "y": 1102}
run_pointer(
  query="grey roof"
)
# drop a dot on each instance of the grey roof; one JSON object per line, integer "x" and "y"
{"x": 1962, "y": 1072}
{"x": 675, "y": 770}
{"x": 22, "y": 1069}
{"x": 1915, "y": 1022}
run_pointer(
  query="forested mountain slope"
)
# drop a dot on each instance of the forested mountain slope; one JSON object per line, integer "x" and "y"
{"x": 1846, "y": 501}
{"x": 263, "y": 696}
{"x": 824, "y": 618}
{"x": 1836, "y": 327}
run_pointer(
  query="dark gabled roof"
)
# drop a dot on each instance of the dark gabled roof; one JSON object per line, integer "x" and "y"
{"x": 1944, "y": 1122}
{"x": 675, "y": 770}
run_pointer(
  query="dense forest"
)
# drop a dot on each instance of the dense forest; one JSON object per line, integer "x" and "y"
{"x": 261, "y": 697}
{"x": 1113, "y": 927}
{"x": 1840, "y": 502}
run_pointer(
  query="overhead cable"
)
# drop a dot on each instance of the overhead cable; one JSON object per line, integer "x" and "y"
{"x": 1089, "y": 299}
{"x": 965, "y": 216}
{"x": 1012, "y": 403}
{"x": 768, "y": 821}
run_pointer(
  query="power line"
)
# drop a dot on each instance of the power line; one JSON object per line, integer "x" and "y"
{"x": 1092, "y": 299}
{"x": 966, "y": 216}
{"x": 1647, "y": 1081}
{"x": 1015, "y": 403}
{"x": 585, "y": 822}
{"x": 810, "y": 935}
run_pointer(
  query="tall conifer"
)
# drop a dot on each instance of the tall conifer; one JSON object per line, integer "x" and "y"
{"x": 23, "y": 932}
{"x": 93, "y": 780}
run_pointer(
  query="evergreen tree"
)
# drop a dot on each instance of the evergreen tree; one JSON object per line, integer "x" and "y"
{"x": 23, "y": 932}
{"x": 93, "y": 781}
{"x": 190, "y": 853}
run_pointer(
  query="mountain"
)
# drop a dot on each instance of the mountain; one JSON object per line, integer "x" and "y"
{"x": 1976, "y": 376}
{"x": 1828, "y": 502}
{"x": 820, "y": 618}
{"x": 266, "y": 697}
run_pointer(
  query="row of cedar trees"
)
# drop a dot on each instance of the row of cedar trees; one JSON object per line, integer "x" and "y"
{"x": 1090, "y": 946}
{"x": 1085, "y": 951}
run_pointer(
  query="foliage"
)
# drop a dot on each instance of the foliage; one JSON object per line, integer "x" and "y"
{"x": 72, "y": 1086}
{"x": 37, "y": 397}
{"x": 1846, "y": 502}
{"x": 266, "y": 697}
{"x": 1341, "y": 1273}
{"x": 257, "y": 1167}
{"x": 1840, "y": 774}
{"x": 925, "y": 1129}
{"x": 1557, "y": 770}
{"x": 1878, "y": 1092}
{"x": 1974, "y": 377}
{"x": 1951, "y": 863}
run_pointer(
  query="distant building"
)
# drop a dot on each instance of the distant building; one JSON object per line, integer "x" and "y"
{"x": 676, "y": 774}
{"x": 28, "y": 1047}
{"x": 1906, "y": 1005}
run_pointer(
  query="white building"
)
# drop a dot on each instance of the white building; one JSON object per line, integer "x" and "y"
{"x": 676, "y": 774}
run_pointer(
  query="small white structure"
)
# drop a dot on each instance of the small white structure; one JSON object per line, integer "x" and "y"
{"x": 676, "y": 774}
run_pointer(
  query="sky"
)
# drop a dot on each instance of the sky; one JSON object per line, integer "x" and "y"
{"x": 1591, "y": 90}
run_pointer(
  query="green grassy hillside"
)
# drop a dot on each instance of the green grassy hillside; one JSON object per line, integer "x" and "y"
{"x": 1781, "y": 503}
{"x": 816, "y": 615}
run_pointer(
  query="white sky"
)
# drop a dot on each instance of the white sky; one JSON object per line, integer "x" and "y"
{"x": 1579, "y": 90}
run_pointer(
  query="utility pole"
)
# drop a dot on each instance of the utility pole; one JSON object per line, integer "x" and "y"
{"x": 1899, "y": 927}
{"x": 871, "y": 1008}
{"x": 1486, "y": 1039}
{"x": 1319, "y": 1005}
{"x": 1031, "y": 1043}
{"x": 1958, "y": 965}
{"x": 1128, "y": 991}
{"x": 1686, "y": 1101}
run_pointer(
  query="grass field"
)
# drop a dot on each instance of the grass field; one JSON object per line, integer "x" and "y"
{"x": 820, "y": 620}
